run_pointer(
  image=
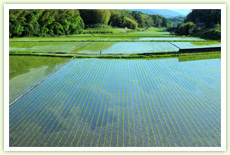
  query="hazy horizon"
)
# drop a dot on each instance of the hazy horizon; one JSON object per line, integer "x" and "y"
{"x": 182, "y": 11}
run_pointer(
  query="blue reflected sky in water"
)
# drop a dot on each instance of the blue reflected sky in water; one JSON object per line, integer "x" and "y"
{"x": 115, "y": 102}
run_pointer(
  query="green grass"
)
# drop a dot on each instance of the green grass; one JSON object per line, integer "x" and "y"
{"x": 180, "y": 56}
{"x": 188, "y": 45}
{"x": 45, "y": 47}
{"x": 206, "y": 43}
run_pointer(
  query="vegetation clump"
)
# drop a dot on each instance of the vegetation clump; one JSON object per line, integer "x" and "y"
{"x": 43, "y": 23}
{"x": 200, "y": 23}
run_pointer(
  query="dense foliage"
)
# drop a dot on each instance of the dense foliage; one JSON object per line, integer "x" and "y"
{"x": 119, "y": 18}
{"x": 209, "y": 17}
{"x": 95, "y": 17}
{"x": 201, "y": 23}
{"x": 186, "y": 28}
{"x": 27, "y": 23}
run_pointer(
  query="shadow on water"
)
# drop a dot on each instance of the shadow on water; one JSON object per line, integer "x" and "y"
{"x": 94, "y": 123}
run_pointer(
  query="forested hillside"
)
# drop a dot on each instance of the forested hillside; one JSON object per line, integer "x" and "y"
{"x": 29, "y": 23}
{"x": 176, "y": 20}
{"x": 208, "y": 17}
{"x": 45, "y": 22}
{"x": 204, "y": 23}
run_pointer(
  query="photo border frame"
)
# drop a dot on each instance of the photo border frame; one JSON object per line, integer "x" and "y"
{"x": 7, "y": 7}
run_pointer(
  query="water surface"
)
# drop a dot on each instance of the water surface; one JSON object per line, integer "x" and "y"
{"x": 116, "y": 102}
{"x": 26, "y": 71}
{"x": 127, "y": 47}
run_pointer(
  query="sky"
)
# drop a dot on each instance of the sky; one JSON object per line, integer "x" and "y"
{"x": 182, "y": 11}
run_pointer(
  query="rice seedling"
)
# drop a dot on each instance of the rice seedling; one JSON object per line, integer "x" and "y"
{"x": 50, "y": 114}
{"x": 174, "y": 120}
{"x": 38, "y": 114}
{"x": 110, "y": 104}
{"x": 134, "y": 126}
{"x": 185, "y": 45}
{"x": 143, "y": 116}
{"x": 187, "y": 110}
{"x": 76, "y": 120}
{"x": 88, "y": 93}
{"x": 105, "y": 106}
{"x": 92, "y": 118}
{"x": 198, "y": 120}
{"x": 139, "y": 120}
{"x": 97, "y": 119}
{"x": 118, "y": 108}
{"x": 56, "y": 121}
{"x": 81, "y": 135}
{"x": 104, "y": 102}
{"x": 127, "y": 101}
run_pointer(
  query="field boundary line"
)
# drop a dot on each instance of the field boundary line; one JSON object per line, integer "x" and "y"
{"x": 174, "y": 45}
{"x": 79, "y": 46}
{"x": 14, "y": 101}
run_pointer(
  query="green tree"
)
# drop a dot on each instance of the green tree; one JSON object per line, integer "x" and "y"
{"x": 186, "y": 28}
{"x": 129, "y": 23}
{"x": 44, "y": 22}
{"x": 96, "y": 16}
{"x": 209, "y": 17}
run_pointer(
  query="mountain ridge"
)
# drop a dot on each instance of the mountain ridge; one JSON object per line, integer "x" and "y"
{"x": 163, "y": 12}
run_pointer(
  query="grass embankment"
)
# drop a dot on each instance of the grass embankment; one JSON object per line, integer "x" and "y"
{"x": 205, "y": 42}
{"x": 116, "y": 40}
{"x": 207, "y": 33}
{"x": 203, "y": 55}
{"x": 117, "y": 32}
{"x": 89, "y": 45}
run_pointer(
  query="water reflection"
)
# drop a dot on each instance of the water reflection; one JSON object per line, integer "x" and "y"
{"x": 25, "y": 71}
{"x": 121, "y": 102}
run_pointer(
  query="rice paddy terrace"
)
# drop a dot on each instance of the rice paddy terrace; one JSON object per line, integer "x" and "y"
{"x": 114, "y": 102}
{"x": 152, "y": 41}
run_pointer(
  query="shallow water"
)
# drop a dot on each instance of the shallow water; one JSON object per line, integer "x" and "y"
{"x": 185, "y": 45}
{"x": 116, "y": 102}
{"x": 44, "y": 47}
{"x": 170, "y": 38}
{"x": 127, "y": 47}
{"x": 26, "y": 71}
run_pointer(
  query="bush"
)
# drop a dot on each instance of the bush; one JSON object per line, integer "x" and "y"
{"x": 172, "y": 30}
{"x": 99, "y": 26}
{"x": 186, "y": 28}
{"x": 129, "y": 23}
{"x": 214, "y": 34}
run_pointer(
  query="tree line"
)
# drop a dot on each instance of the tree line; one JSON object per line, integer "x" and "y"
{"x": 49, "y": 22}
{"x": 204, "y": 23}
{"x": 27, "y": 23}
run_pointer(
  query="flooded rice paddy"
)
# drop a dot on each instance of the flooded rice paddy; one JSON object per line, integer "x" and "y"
{"x": 117, "y": 102}
{"x": 127, "y": 47}
{"x": 26, "y": 71}
{"x": 95, "y": 47}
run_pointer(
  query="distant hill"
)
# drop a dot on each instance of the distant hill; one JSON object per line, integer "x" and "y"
{"x": 176, "y": 20}
{"x": 163, "y": 12}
